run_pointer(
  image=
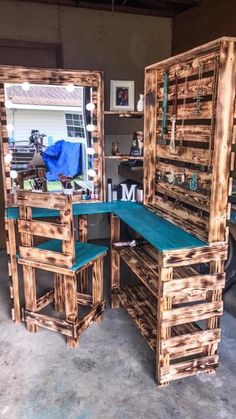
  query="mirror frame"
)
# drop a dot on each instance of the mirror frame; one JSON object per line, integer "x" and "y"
{"x": 57, "y": 77}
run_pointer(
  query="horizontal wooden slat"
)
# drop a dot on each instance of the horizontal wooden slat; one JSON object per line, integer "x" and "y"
{"x": 207, "y": 282}
{"x": 185, "y": 154}
{"x": 42, "y": 200}
{"x": 94, "y": 313}
{"x": 188, "y": 196}
{"x": 188, "y": 111}
{"x": 45, "y": 256}
{"x": 192, "y": 313}
{"x": 178, "y": 344}
{"x": 84, "y": 299}
{"x": 188, "y": 89}
{"x": 44, "y": 229}
{"x": 185, "y": 257}
{"x": 204, "y": 178}
{"x": 188, "y": 368}
{"x": 195, "y": 133}
{"x": 45, "y": 300}
{"x": 48, "y": 322}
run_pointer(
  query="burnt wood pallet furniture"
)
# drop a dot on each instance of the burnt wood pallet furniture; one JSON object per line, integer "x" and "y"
{"x": 64, "y": 257}
{"x": 189, "y": 136}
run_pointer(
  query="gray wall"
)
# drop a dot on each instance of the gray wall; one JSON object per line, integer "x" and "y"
{"x": 210, "y": 20}
{"x": 119, "y": 44}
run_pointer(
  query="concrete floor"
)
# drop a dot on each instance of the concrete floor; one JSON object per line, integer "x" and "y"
{"x": 110, "y": 376}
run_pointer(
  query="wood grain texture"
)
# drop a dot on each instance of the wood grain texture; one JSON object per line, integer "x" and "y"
{"x": 115, "y": 261}
{"x": 83, "y": 237}
{"x": 71, "y": 306}
{"x": 149, "y": 136}
{"x": 97, "y": 284}
{"x": 222, "y": 142}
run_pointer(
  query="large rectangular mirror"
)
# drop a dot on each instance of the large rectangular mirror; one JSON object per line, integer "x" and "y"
{"x": 52, "y": 132}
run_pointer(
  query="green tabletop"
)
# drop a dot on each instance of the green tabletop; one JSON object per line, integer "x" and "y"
{"x": 160, "y": 233}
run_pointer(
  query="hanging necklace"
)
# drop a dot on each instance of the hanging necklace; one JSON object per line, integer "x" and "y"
{"x": 181, "y": 132}
{"x": 165, "y": 103}
{"x": 200, "y": 92}
{"x": 174, "y": 116}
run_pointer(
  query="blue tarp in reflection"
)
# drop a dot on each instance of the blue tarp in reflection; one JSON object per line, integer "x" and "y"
{"x": 64, "y": 157}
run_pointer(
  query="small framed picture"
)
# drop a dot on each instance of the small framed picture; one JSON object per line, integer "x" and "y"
{"x": 122, "y": 95}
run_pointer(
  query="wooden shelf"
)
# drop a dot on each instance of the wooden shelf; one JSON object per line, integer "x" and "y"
{"x": 125, "y": 114}
{"x": 141, "y": 307}
{"x": 143, "y": 261}
{"x": 123, "y": 157}
{"x": 136, "y": 175}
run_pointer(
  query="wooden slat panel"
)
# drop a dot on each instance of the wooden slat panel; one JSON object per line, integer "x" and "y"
{"x": 185, "y": 154}
{"x": 192, "y": 313}
{"x": 188, "y": 111}
{"x": 178, "y": 344}
{"x": 198, "y": 282}
{"x": 195, "y": 133}
{"x": 193, "y": 198}
{"x": 190, "y": 91}
{"x": 48, "y": 322}
{"x": 44, "y": 229}
{"x": 204, "y": 178}
{"x": 196, "y": 255}
{"x": 45, "y": 300}
{"x": 11, "y": 74}
{"x": 188, "y": 368}
{"x": 45, "y": 256}
{"x": 42, "y": 200}
{"x": 93, "y": 315}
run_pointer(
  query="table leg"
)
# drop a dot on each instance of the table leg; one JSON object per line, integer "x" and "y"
{"x": 83, "y": 237}
{"x": 115, "y": 261}
{"x": 13, "y": 270}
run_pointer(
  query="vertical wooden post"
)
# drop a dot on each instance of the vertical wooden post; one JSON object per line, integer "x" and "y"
{"x": 115, "y": 261}
{"x": 216, "y": 267}
{"x": 71, "y": 305}
{"x": 163, "y": 304}
{"x": 97, "y": 291}
{"x": 13, "y": 270}
{"x": 222, "y": 142}
{"x": 59, "y": 292}
{"x": 150, "y": 136}
{"x": 30, "y": 293}
{"x": 83, "y": 237}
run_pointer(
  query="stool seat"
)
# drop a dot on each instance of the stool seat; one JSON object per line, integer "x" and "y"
{"x": 84, "y": 252}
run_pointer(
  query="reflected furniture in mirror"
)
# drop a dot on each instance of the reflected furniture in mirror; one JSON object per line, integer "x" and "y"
{"x": 68, "y": 104}
{"x": 52, "y": 122}
{"x": 67, "y": 259}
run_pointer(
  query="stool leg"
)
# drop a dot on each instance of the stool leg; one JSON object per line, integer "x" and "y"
{"x": 97, "y": 291}
{"x": 59, "y": 293}
{"x": 71, "y": 306}
{"x": 30, "y": 293}
{"x": 83, "y": 237}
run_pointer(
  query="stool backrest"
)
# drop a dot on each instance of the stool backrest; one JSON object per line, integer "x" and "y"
{"x": 63, "y": 231}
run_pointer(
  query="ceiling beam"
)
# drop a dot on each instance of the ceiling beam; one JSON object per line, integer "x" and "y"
{"x": 105, "y": 7}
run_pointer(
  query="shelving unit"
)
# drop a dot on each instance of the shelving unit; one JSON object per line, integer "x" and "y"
{"x": 177, "y": 301}
{"x": 125, "y": 114}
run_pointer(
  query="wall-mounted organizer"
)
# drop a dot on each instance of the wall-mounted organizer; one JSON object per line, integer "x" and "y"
{"x": 188, "y": 135}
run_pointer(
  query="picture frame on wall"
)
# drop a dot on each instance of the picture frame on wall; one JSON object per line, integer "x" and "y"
{"x": 122, "y": 95}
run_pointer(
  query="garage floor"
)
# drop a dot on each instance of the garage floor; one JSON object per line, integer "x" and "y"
{"x": 110, "y": 376}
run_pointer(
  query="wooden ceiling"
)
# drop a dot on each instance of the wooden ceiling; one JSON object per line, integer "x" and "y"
{"x": 165, "y": 8}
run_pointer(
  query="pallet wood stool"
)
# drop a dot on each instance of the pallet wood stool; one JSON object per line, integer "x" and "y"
{"x": 64, "y": 257}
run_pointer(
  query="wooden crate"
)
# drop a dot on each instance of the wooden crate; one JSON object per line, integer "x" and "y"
{"x": 175, "y": 306}
{"x": 200, "y": 94}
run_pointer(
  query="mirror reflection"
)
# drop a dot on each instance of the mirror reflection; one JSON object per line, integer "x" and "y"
{"x": 50, "y": 130}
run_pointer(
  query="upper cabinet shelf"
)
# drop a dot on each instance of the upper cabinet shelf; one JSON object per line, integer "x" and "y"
{"x": 125, "y": 114}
